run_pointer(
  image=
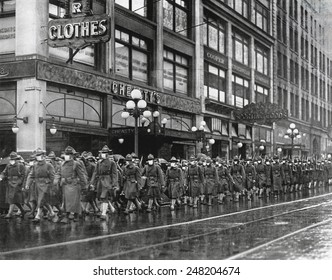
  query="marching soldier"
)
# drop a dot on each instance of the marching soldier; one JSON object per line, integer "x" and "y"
{"x": 277, "y": 176}
{"x": 105, "y": 178}
{"x": 225, "y": 179}
{"x": 154, "y": 181}
{"x": 211, "y": 180}
{"x": 195, "y": 180}
{"x": 15, "y": 174}
{"x": 132, "y": 183}
{"x": 238, "y": 174}
{"x": 288, "y": 174}
{"x": 42, "y": 175}
{"x": 250, "y": 179}
{"x": 72, "y": 180}
{"x": 184, "y": 167}
{"x": 89, "y": 195}
{"x": 261, "y": 176}
{"x": 268, "y": 177}
{"x": 174, "y": 182}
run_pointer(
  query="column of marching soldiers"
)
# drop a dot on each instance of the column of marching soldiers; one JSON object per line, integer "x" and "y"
{"x": 75, "y": 185}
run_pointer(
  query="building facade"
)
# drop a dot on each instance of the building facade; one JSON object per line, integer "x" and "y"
{"x": 193, "y": 61}
{"x": 303, "y": 83}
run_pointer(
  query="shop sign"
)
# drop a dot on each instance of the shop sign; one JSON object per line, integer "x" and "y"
{"x": 261, "y": 113}
{"x": 78, "y": 31}
{"x": 7, "y": 34}
{"x": 17, "y": 69}
{"x": 77, "y": 78}
{"x": 214, "y": 57}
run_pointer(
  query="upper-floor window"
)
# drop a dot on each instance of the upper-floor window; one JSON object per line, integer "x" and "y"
{"x": 176, "y": 15}
{"x": 214, "y": 34}
{"x": 214, "y": 83}
{"x": 240, "y": 91}
{"x": 176, "y": 72}
{"x": 240, "y": 48}
{"x": 261, "y": 60}
{"x": 241, "y": 7}
{"x": 7, "y": 6}
{"x": 261, "y": 16}
{"x": 131, "y": 56}
{"x": 261, "y": 93}
{"x": 141, "y": 7}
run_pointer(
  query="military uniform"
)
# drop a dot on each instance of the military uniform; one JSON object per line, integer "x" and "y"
{"x": 195, "y": 181}
{"x": 72, "y": 181}
{"x": 262, "y": 173}
{"x": 225, "y": 179}
{"x": 14, "y": 173}
{"x": 211, "y": 180}
{"x": 132, "y": 182}
{"x": 173, "y": 182}
{"x": 277, "y": 176}
{"x": 238, "y": 174}
{"x": 250, "y": 181}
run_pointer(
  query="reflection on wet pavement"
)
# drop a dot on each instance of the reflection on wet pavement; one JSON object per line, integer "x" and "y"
{"x": 214, "y": 232}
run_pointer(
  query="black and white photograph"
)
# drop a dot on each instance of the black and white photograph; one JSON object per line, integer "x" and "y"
{"x": 191, "y": 133}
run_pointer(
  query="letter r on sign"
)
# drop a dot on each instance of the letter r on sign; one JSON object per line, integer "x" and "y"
{"x": 77, "y": 8}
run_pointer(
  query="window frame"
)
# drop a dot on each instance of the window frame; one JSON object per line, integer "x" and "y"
{"x": 132, "y": 47}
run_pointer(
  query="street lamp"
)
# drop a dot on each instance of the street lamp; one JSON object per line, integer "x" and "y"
{"x": 292, "y": 132}
{"x": 136, "y": 107}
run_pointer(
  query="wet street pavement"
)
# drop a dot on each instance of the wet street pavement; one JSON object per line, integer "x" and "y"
{"x": 294, "y": 226}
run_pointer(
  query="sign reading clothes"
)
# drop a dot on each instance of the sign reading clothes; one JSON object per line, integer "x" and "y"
{"x": 261, "y": 113}
{"x": 77, "y": 32}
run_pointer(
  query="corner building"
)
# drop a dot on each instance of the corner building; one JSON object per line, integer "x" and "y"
{"x": 152, "y": 47}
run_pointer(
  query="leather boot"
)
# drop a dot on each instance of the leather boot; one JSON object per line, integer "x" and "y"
{"x": 126, "y": 211}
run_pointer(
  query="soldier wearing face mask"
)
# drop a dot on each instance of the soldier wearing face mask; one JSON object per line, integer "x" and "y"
{"x": 277, "y": 176}
{"x": 15, "y": 174}
{"x": 72, "y": 180}
{"x": 105, "y": 178}
{"x": 225, "y": 179}
{"x": 154, "y": 181}
{"x": 195, "y": 180}
{"x": 31, "y": 191}
{"x": 211, "y": 180}
{"x": 287, "y": 173}
{"x": 174, "y": 182}
{"x": 261, "y": 176}
{"x": 250, "y": 172}
{"x": 184, "y": 168}
{"x": 238, "y": 174}
{"x": 42, "y": 174}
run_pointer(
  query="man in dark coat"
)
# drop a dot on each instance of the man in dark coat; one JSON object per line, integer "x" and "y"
{"x": 72, "y": 180}
{"x": 14, "y": 173}
{"x": 42, "y": 175}
{"x": 132, "y": 183}
{"x": 105, "y": 178}
{"x": 174, "y": 181}
{"x": 154, "y": 181}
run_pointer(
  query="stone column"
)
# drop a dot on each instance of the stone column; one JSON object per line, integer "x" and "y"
{"x": 31, "y": 33}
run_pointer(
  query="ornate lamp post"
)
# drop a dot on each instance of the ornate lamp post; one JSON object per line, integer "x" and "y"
{"x": 292, "y": 132}
{"x": 136, "y": 107}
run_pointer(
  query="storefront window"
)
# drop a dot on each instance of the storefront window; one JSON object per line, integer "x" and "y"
{"x": 131, "y": 56}
{"x": 214, "y": 83}
{"x": 175, "y": 72}
{"x": 74, "y": 106}
{"x": 176, "y": 15}
{"x": 214, "y": 34}
{"x": 178, "y": 121}
{"x": 240, "y": 91}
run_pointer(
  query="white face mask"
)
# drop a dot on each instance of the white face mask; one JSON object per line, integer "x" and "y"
{"x": 12, "y": 161}
{"x": 259, "y": 162}
{"x": 103, "y": 155}
{"x": 39, "y": 158}
{"x": 31, "y": 163}
{"x": 192, "y": 163}
{"x": 172, "y": 164}
{"x": 67, "y": 157}
{"x": 150, "y": 162}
